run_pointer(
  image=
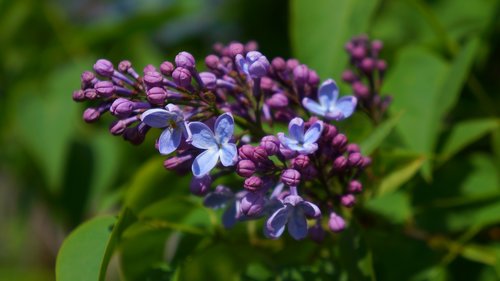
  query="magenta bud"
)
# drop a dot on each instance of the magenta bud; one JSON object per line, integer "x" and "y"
{"x": 124, "y": 66}
{"x": 336, "y": 223}
{"x": 301, "y": 74}
{"x": 271, "y": 144}
{"x": 251, "y": 46}
{"x": 381, "y": 65}
{"x": 313, "y": 77}
{"x": 78, "y": 95}
{"x": 367, "y": 65}
{"x": 104, "y": 89}
{"x": 355, "y": 187}
{"x": 121, "y": 107}
{"x": 246, "y": 152}
{"x": 360, "y": 90}
{"x": 259, "y": 154}
{"x": 278, "y": 100}
{"x": 87, "y": 78}
{"x": 348, "y": 200}
{"x": 355, "y": 160}
{"x": 117, "y": 127}
{"x": 153, "y": 79}
{"x": 359, "y": 52}
{"x": 212, "y": 61}
{"x": 301, "y": 162}
{"x": 340, "y": 163}
{"x": 252, "y": 204}
{"x": 367, "y": 161}
{"x": 352, "y": 147}
{"x": 377, "y": 46}
{"x": 290, "y": 177}
{"x": 149, "y": 68}
{"x": 278, "y": 64}
{"x": 245, "y": 168}
{"x": 329, "y": 132}
{"x": 157, "y": 95}
{"x": 266, "y": 84}
{"x": 200, "y": 186}
{"x": 182, "y": 77}
{"x": 349, "y": 76}
{"x": 104, "y": 67}
{"x": 91, "y": 115}
{"x": 178, "y": 162}
{"x": 166, "y": 68}
{"x": 209, "y": 80}
{"x": 339, "y": 142}
{"x": 90, "y": 94}
{"x": 292, "y": 64}
{"x": 287, "y": 153}
{"x": 185, "y": 59}
{"x": 236, "y": 48}
{"x": 253, "y": 183}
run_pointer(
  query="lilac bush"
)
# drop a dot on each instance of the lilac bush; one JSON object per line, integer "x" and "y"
{"x": 231, "y": 119}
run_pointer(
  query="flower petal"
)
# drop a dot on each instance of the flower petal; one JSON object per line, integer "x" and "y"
{"x": 296, "y": 129}
{"x": 156, "y": 117}
{"x": 205, "y": 162}
{"x": 314, "y": 132}
{"x": 308, "y": 148}
{"x": 201, "y": 136}
{"x": 229, "y": 217}
{"x": 218, "y": 198}
{"x": 328, "y": 93}
{"x": 224, "y": 128}
{"x": 286, "y": 141}
{"x": 169, "y": 140}
{"x": 228, "y": 154}
{"x": 275, "y": 225}
{"x": 297, "y": 224}
{"x": 310, "y": 209}
{"x": 314, "y": 107}
{"x": 346, "y": 106}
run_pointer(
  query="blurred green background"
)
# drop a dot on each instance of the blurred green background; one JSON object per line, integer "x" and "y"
{"x": 433, "y": 208}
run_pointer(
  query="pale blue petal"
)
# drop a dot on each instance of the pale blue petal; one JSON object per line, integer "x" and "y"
{"x": 228, "y": 154}
{"x": 156, "y": 117}
{"x": 328, "y": 93}
{"x": 224, "y": 128}
{"x": 218, "y": 198}
{"x": 310, "y": 209}
{"x": 308, "y": 148}
{"x": 314, "y": 132}
{"x": 297, "y": 224}
{"x": 205, "y": 162}
{"x": 286, "y": 141}
{"x": 314, "y": 107}
{"x": 229, "y": 217}
{"x": 346, "y": 106}
{"x": 296, "y": 129}
{"x": 169, "y": 140}
{"x": 201, "y": 136}
{"x": 275, "y": 225}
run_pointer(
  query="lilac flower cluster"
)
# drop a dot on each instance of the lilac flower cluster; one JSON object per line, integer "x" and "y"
{"x": 227, "y": 120}
{"x": 366, "y": 75}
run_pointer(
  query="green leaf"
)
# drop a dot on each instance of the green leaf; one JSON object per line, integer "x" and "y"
{"x": 394, "y": 206}
{"x": 464, "y": 134}
{"x": 320, "y": 30}
{"x": 355, "y": 256}
{"x": 82, "y": 253}
{"x": 400, "y": 176}
{"x": 379, "y": 134}
{"x": 479, "y": 253}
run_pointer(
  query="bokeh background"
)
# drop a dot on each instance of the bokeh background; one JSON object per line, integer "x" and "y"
{"x": 439, "y": 218}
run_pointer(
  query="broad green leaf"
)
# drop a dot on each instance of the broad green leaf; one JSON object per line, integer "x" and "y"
{"x": 435, "y": 273}
{"x": 465, "y": 133}
{"x": 400, "y": 176}
{"x": 319, "y": 31}
{"x": 355, "y": 256}
{"x": 394, "y": 206}
{"x": 485, "y": 214}
{"x": 82, "y": 253}
{"x": 479, "y": 253}
{"x": 378, "y": 135}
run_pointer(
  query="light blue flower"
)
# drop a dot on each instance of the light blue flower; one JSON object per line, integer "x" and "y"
{"x": 172, "y": 120}
{"x": 330, "y": 106}
{"x": 254, "y": 64}
{"x": 215, "y": 145}
{"x": 303, "y": 143}
{"x": 293, "y": 212}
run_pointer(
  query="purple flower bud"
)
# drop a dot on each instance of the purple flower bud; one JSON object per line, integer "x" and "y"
{"x": 359, "y": 52}
{"x": 367, "y": 161}
{"x": 259, "y": 154}
{"x": 278, "y": 64}
{"x": 348, "y": 200}
{"x": 87, "y": 79}
{"x": 153, "y": 79}
{"x": 316, "y": 232}
{"x": 349, "y": 76}
{"x": 329, "y": 132}
{"x": 258, "y": 64}
{"x": 117, "y": 127}
{"x": 286, "y": 153}
{"x": 377, "y": 46}
{"x": 251, "y": 46}
{"x": 252, "y": 204}
{"x": 381, "y": 65}
{"x": 339, "y": 164}
{"x": 91, "y": 115}
{"x": 355, "y": 187}
{"x": 313, "y": 78}
{"x": 122, "y": 107}
{"x": 301, "y": 74}
{"x": 292, "y": 63}
{"x": 200, "y": 186}
{"x": 266, "y": 84}
{"x": 157, "y": 95}
{"x": 137, "y": 134}
{"x": 355, "y": 159}
{"x": 212, "y": 61}
{"x": 246, "y": 152}
{"x": 290, "y": 177}
{"x": 78, "y": 95}
{"x": 245, "y": 168}
{"x": 360, "y": 90}
{"x": 166, "y": 68}
{"x": 104, "y": 67}
{"x": 90, "y": 94}
{"x": 336, "y": 223}
{"x": 149, "y": 68}
{"x": 301, "y": 162}
{"x": 185, "y": 59}
{"x": 236, "y": 48}
{"x": 352, "y": 147}
{"x": 182, "y": 77}
{"x": 124, "y": 66}
{"x": 278, "y": 100}
{"x": 104, "y": 89}
{"x": 179, "y": 162}
{"x": 367, "y": 65}
{"x": 209, "y": 80}
{"x": 253, "y": 183}
{"x": 271, "y": 144}
{"x": 339, "y": 142}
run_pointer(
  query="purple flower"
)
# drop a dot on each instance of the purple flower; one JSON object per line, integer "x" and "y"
{"x": 293, "y": 213}
{"x": 215, "y": 145}
{"x": 255, "y": 64}
{"x": 330, "y": 106}
{"x": 172, "y": 120}
{"x": 304, "y": 143}
{"x": 223, "y": 196}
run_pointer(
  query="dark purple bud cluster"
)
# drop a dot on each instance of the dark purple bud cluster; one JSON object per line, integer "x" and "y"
{"x": 366, "y": 75}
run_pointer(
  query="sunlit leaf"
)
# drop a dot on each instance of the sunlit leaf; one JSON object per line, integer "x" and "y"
{"x": 398, "y": 177}
{"x": 394, "y": 206}
{"x": 378, "y": 135}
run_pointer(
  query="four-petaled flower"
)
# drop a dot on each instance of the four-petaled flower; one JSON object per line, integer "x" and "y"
{"x": 172, "y": 120}
{"x": 330, "y": 106}
{"x": 215, "y": 145}
{"x": 293, "y": 213}
{"x": 304, "y": 143}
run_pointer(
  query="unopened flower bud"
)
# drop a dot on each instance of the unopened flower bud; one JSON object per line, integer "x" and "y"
{"x": 91, "y": 115}
{"x": 367, "y": 65}
{"x": 251, "y": 46}
{"x": 381, "y": 65}
{"x": 166, "y": 68}
{"x": 278, "y": 100}
{"x": 367, "y": 161}
{"x": 121, "y": 107}
{"x": 78, "y": 95}
{"x": 278, "y": 64}
{"x": 212, "y": 61}
{"x": 236, "y": 48}
{"x": 245, "y": 168}
{"x": 355, "y": 187}
{"x": 340, "y": 163}
{"x": 360, "y": 90}
{"x": 292, "y": 64}
{"x": 271, "y": 144}
{"x": 178, "y": 162}
{"x": 352, "y": 147}
{"x": 209, "y": 80}
{"x": 252, "y": 204}
{"x": 124, "y": 66}
{"x": 329, "y": 132}
{"x": 290, "y": 177}
{"x": 377, "y": 46}
{"x": 104, "y": 67}
{"x": 246, "y": 152}
{"x": 87, "y": 78}
{"x": 200, "y": 186}
{"x": 348, "y": 200}
{"x": 267, "y": 84}
{"x": 359, "y": 52}
{"x": 117, "y": 127}
{"x": 301, "y": 74}
{"x": 339, "y": 142}
{"x": 355, "y": 159}
{"x": 185, "y": 59}
{"x": 313, "y": 78}
{"x": 301, "y": 162}
{"x": 260, "y": 154}
{"x": 157, "y": 95}
{"x": 349, "y": 76}
{"x": 153, "y": 79}
{"x": 182, "y": 77}
{"x": 104, "y": 89}
{"x": 253, "y": 183}
{"x": 336, "y": 223}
